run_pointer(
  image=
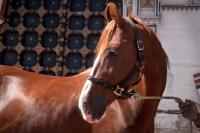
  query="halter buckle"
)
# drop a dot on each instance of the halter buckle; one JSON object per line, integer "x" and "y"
{"x": 118, "y": 91}
{"x": 140, "y": 45}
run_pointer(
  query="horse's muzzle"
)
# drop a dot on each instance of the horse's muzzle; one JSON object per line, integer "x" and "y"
{"x": 91, "y": 115}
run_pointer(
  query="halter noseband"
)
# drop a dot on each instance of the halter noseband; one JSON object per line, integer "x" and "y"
{"x": 120, "y": 89}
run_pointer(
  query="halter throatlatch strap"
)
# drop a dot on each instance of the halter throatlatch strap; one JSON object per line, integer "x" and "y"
{"x": 120, "y": 89}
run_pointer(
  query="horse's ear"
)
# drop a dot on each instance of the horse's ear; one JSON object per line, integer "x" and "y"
{"x": 113, "y": 14}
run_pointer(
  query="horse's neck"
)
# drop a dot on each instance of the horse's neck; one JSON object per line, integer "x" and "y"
{"x": 125, "y": 110}
{"x": 155, "y": 80}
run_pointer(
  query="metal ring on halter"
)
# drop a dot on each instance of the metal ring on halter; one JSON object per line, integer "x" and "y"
{"x": 139, "y": 66}
{"x": 118, "y": 91}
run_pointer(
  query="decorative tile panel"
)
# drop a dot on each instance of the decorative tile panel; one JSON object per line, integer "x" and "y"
{"x": 32, "y": 33}
{"x": 86, "y": 20}
{"x": 53, "y": 37}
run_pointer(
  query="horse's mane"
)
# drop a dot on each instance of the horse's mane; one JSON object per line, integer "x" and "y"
{"x": 137, "y": 20}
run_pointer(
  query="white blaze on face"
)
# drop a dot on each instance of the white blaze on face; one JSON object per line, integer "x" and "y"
{"x": 86, "y": 88}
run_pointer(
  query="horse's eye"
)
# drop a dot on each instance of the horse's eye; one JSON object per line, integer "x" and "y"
{"x": 113, "y": 52}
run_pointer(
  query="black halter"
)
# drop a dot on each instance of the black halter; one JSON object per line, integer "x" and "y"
{"x": 119, "y": 89}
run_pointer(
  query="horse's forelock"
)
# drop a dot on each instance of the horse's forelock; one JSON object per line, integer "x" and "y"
{"x": 105, "y": 37}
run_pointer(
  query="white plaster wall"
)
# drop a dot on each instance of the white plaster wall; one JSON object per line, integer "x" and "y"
{"x": 179, "y": 33}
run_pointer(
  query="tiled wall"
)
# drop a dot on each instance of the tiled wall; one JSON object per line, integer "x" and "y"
{"x": 54, "y": 37}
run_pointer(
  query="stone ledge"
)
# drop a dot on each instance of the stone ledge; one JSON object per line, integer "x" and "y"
{"x": 180, "y": 7}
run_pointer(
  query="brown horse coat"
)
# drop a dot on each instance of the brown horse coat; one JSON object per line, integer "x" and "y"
{"x": 33, "y": 103}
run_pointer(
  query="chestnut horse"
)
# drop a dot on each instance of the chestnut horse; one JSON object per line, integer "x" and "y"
{"x": 129, "y": 60}
{"x": 34, "y": 103}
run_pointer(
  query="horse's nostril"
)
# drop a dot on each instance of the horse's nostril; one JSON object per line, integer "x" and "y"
{"x": 85, "y": 104}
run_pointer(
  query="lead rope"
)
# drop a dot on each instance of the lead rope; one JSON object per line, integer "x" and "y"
{"x": 177, "y": 100}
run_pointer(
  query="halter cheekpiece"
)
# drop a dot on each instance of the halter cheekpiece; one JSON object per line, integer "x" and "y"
{"x": 120, "y": 89}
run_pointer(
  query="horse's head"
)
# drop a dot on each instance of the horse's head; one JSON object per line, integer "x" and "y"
{"x": 118, "y": 64}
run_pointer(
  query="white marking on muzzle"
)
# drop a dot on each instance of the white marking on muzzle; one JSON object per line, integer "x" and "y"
{"x": 86, "y": 88}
